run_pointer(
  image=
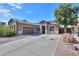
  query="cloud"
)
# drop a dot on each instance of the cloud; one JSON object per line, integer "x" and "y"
{"x": 5, "y": 12}
{"x": 2, "y": 10}
{"x": 16, "y": 5}
{"x": 13, "y": 16}
{"x": 28, "y": 11}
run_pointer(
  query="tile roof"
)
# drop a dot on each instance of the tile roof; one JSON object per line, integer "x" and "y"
{"x": 49, "y": 22}
{"x": 21, "y": 21}
{"x": 26, "y": 22}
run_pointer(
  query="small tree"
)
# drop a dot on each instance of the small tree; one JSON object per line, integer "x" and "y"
{"x": 66, "y": 15}
{"x": 73, "y": 16}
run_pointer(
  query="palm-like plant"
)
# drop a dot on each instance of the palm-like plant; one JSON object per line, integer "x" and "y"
{"x": 66, "y": 15}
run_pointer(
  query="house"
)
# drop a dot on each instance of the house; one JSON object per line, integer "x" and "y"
{"x": 43, "y": 27}
{"x": 24, "y": 27}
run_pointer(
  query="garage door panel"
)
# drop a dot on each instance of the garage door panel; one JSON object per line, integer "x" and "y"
{"x": 28, "y": 30}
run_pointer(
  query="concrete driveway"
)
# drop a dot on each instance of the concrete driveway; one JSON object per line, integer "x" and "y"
{"x": 41, "y": 45}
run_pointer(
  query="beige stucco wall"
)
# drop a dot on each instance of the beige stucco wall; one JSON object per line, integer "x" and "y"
{"x": 47, "y": 28}
{"x": 75, "y": 29}
{"x": 17, "y": 31}
{"x": 12, "y": 24}
{"x": 55, "y": 29}
{"x": 19, "y": 27}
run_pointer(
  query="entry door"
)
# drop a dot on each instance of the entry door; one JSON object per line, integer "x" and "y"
{"x": 43, "y": 29}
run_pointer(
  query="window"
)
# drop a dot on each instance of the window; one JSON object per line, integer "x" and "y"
{"x": 51, "y": 28}
{"x": 14, "y": 27}
{"x": 11, "y": 26}
{"x": 38, "y": 29}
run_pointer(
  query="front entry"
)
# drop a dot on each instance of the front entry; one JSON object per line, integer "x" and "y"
{"x": 43, "y": 29}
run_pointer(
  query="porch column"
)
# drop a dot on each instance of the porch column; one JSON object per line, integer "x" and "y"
{"x": 40, "y": 29}
{"x": 45, "y": 28}
{"x": 34, "y": 29}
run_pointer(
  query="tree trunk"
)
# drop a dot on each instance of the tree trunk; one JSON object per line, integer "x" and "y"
{"x": 72, "y": 31}
{"x": 58, "y": 25}
{"x": 64, "y": 29}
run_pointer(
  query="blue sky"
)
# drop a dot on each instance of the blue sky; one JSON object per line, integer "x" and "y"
{"x": 32, "y": 12}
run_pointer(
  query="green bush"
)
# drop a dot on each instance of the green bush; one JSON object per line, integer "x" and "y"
{"x": 7, "y": 32}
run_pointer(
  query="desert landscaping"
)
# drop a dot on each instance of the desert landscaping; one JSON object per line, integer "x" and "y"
{"x": 59, "y": 37}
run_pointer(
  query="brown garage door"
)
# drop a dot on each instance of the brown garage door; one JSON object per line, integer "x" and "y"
{"x": 28, "y": 30}
{"x": 61, "y": 30}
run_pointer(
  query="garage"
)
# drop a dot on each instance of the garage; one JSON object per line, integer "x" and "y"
{"x": 28, "y": 30}
{"x": 61, "y": 30}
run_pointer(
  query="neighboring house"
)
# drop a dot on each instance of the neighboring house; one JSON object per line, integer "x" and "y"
{"x": 43, "y": 27}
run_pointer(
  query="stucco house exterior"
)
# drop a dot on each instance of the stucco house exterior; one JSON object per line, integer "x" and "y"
{"x": 21, "y": 26}
{"x": 48, "y": 27}
{"x": 43, "y": 27}
{"x": 24, "y": 27}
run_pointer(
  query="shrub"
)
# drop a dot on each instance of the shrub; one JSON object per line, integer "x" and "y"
{"x": 7, "y": 32}
{"x": 1, "y": 26}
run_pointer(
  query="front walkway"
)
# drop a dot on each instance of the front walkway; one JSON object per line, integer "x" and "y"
{"x": 41, "y": 45}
